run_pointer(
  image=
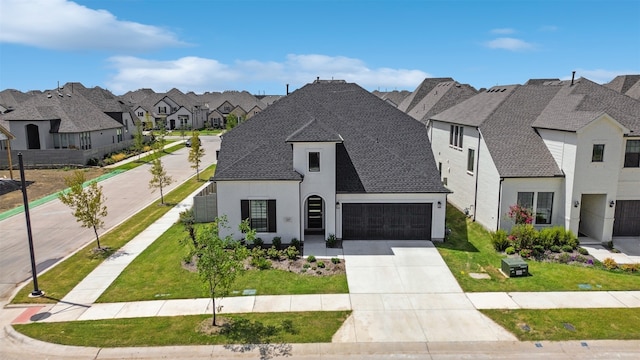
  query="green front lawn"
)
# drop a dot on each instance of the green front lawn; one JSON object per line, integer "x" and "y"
{"x": 469, "y": 250}
{"x": 307, "y": 327}
{"x": 64, "y": 276}
{"x": 158, "y": 273}
{"x": 569, "y": 324}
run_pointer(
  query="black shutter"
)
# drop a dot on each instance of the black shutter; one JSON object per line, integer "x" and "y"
{"x": 271, "y": 215}
{"x": 244, "y": 209}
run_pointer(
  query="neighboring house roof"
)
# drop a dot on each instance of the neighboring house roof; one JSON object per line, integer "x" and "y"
{"x": 475, "y": 110}
{"x": 420, "y": 92}
{"x": 634, "y": 91}
{"x": 69, "y": 113}
{"x": 384, "y": 150}
{"x": 242, "y": 99}
{"x": 624, "y": 83}
{"x": 268, "y": 99}
{"x": 515, "y": 147}
{"x": 442, "y": 97}
{"x": 10, "y": 98}
{"x": 575, "y": 106}
{"x": 395, "y": 97}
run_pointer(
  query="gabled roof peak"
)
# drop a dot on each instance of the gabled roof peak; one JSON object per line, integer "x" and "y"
{"x": 314, "y": 131}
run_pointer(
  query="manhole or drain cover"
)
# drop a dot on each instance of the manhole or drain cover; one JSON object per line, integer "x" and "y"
{"x": 569, "y": 327}
{"x": 525, "y": 327}
{"x": 249, "y": 292}
{"x": 584, "y": 286}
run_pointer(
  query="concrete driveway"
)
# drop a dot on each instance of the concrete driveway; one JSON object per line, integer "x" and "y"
{"x": 402, "y": 291}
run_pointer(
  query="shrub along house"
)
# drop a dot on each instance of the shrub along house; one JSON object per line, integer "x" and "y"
{"x": 568, "y": 150}
{"x": 331, "y": 158}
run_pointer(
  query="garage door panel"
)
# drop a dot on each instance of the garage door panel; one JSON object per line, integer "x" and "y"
{"x": 627, "y": 218}
{"x": 389, "y": 221}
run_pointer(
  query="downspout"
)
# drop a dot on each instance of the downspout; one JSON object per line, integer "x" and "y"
{"x": 499, "y": 201}
{"x": 477, "y": 173}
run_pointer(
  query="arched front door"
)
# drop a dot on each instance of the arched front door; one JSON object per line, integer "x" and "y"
{"x": 315, "y": 214}
{"x": 33, "y": 137}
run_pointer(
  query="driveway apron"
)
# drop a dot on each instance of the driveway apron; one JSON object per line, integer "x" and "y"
{"x": 402, "y": 291}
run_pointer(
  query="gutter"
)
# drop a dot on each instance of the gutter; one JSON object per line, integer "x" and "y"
{"x": 499, "y": 201}
{"x": 477, "y": 172}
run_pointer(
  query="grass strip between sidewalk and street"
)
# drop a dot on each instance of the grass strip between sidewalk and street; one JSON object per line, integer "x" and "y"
{"x": 157, "y": 273}
{"x": 569, "y": 324}
{"x": 146, "y": 159}
{"x": 263, "y": 328}
{"x": 469, "y": 250}
{"x": 64, "y": 276}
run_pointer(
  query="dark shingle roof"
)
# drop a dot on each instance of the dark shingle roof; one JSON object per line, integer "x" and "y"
{"x": 623, "y": 83}
{"x": 442, "y": 97}
{"x": 314, "y": 131}
{"x": 395, "y": 97}
{"x": 477, "y": 109}
{"x": 384, "y": 150}
{"x": 76, "y": 113}
{"x": 515, "y": 147}
{"x": 575, "y": 106}
{"x": 420, "y": 92}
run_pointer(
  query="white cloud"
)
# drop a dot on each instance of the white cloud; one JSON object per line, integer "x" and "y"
{"x": 201, "y": 74}
{"x": 510, "y": 44}
{"x": 503, "y": 31}
{"x": 65, "y": 25}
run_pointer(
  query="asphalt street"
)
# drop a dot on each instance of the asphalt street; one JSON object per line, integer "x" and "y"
{"x": 56, "y": 234}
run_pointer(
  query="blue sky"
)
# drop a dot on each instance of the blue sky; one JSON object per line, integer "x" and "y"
{"x": 259, "y": 46}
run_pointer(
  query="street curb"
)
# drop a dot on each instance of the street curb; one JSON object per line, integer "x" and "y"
{"x": 43, "y": 200}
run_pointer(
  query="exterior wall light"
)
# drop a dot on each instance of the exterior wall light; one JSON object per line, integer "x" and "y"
{"x": 612, "y": 203}
{"x": 576, "y": 203}
{"x": 439, "y": 204}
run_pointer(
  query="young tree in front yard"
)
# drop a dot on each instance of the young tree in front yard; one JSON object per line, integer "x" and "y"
{"x": 87, "y": 203}
{"x": 196, "y": 153}
{"x": 138, "y": 138}
{"x": 220, "y": 260}
{"x": 232, "y": 121}
{"x": 160, "y": 179}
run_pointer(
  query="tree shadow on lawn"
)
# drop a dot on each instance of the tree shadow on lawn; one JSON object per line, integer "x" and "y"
{"x": 251, "y": 335}
{"x": 458, "y": 235}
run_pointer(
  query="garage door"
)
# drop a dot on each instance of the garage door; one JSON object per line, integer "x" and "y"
{"x": 386, "y": 221}
{"x": 627, "y": 220}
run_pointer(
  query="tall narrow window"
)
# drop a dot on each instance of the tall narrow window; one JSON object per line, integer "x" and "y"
{"x": 314, "y": 161}
{"x": 451, "y": 135}
{"x": 471, "y": 157}
{"x": 543, "y": 207}
{"x": 597, "y": 155}
{"x": 456, "y": 133}
{"x": 632, "y": 154}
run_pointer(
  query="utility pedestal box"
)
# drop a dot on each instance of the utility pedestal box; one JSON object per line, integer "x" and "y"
{"x": 514, "y": 267}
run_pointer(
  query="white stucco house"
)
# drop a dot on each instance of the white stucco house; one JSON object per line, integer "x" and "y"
{"x": 331, "y": 158}
{"x": 568, "y": 150}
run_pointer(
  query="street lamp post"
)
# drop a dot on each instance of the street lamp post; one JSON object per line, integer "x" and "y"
{"x": 36, "y": 292}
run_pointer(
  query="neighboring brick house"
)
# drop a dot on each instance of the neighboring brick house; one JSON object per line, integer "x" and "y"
{"x": 331, "y": 158}
{"x": 569, "y": 150}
